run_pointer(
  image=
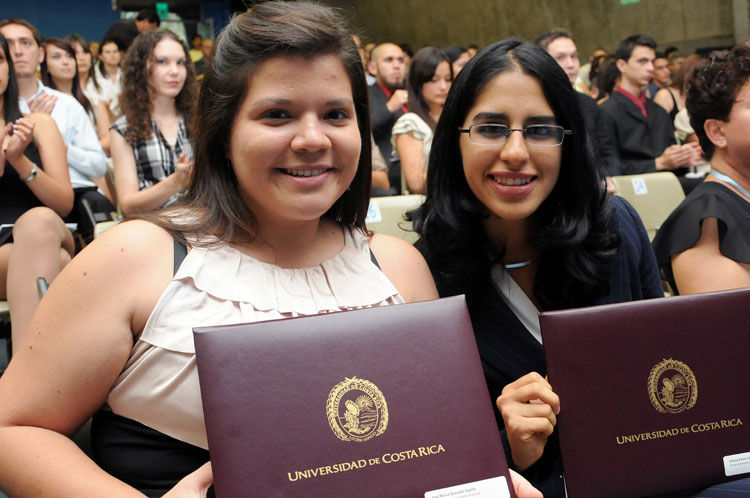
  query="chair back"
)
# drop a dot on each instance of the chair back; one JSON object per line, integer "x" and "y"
{"x": 653, "y": 195}
{"x": 386, "y": 215}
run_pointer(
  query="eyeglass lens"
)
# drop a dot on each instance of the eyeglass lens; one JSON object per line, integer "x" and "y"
{"x": 498, "y": 134}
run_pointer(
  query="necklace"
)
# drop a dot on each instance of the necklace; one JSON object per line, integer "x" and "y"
{"x": 511, "y": 266}
{"x": 730, "y": 181}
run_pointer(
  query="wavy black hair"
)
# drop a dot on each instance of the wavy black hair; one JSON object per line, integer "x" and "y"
{"x": 572, "y": 236}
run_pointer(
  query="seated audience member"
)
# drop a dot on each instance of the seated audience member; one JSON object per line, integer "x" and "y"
{"x": 408, "y": 54}
{"x": 561, "y": 46}
{"x": 458, "y": 57}
{"x": 639, "y": 129}
{"x": 110, "y": 57}
{"x": 196, "y": 53}
{"x": 584, "y": 80}
{"x": 430, "y": 77}
{"x": 124, "y": 31}
{"x": 387, "y": 101}
{"x": 364, "y": 55}
{"x": 473, "y": 50}
{"x": 35, "y": 194}
{"x": 704, "y": 246}
{"x": 672, "y": 97}
{"x": 516, "y": 219}
{"x": 381, "y": 187}
{"x": 682, "y": 128}
{"x": 86, "y": 160}
{"x": 150, "y": 145}
{"x": 276, "y": 103}
{"x": 59, "y": 71}
{"x": 661, "y": 76}
{"x": 207, "y": 48}
{"x": 676, "y": 60}
{"x": 96, "y": 89}
{"x": 94, "y": 46}
{"x": 606, "y": 78}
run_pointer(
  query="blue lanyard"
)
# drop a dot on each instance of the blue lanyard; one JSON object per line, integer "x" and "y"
{"x": 730, "y": 181}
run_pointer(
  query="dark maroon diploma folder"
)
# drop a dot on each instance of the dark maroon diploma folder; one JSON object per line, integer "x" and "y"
{"x": 381, "y": 402}
{"x": 654, "y": 394}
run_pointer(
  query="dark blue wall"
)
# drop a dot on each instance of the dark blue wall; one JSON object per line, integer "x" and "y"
{"x": 218, "y": 9}
{"x": 89, "y": 18}
{"x": 56, "y": 18}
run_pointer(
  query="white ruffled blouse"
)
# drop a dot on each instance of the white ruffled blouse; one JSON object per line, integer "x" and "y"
{"x": 219, "y": 286}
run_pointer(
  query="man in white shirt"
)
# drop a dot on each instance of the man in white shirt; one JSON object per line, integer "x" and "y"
{"x": 86, "y": 160}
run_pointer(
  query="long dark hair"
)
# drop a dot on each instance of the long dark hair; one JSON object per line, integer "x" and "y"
{"x": 50, "y": 82}
{"x": 423, "y": 66}
{"x": 11, "y": 111}
{"x": 269, "y": 30}
{"x": 73, "y": 39}
{"x": 135, "y": 100}
{"x": 572, "y": 234}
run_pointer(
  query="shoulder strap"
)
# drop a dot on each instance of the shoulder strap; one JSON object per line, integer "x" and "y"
{"x": 374, "y": 260}
{"x": 180, "y": 251}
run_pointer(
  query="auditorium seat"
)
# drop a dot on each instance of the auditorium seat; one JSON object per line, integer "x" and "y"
{"x": 386, "y": 215}
{"x": 653, "y": 195}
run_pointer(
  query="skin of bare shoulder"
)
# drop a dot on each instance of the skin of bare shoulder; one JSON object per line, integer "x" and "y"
{"x": 83, "y": 330}
{"x": 405, "y": 267}
{"x": 703, "y": 268}
{"x": 664, "y": 99}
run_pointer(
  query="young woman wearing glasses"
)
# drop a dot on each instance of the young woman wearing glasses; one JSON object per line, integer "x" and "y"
{"x": 516, "y": 219}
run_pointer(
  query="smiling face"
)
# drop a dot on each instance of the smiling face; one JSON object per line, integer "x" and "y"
{"x": 436, "y": 90}
{"x": 26, "y": 54}
{"x": 60, "y": 64}
{"x": 511, "y": 180}
{"x": 295, "y": 142}
{"x": 167, "y": 69}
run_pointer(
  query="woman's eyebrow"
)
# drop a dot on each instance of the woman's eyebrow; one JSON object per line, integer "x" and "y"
{"x": 541, "y": 120}
{"x": 490, "y": 116}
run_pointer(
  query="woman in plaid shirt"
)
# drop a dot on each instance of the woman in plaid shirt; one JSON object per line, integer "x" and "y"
{"x": 149, "y": 143}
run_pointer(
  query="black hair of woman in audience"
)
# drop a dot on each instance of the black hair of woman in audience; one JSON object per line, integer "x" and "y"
{"x": 703, "y": 245}
{"x": 430, "y": 77}
{"x": 150, "y": 142}
{"x": 516, "y": 218}
{"x": 273, "y": 218}
{"x": 458, "y": 57}
{"x": 35, "y": 193}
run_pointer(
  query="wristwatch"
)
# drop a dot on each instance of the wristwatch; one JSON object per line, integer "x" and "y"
{"x": 32, "y": 175}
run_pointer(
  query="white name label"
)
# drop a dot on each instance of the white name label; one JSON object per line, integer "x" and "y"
{"x": 496, "y": 487}
{"x": 373, "y": 213}
{"x": 639, "y": 186}
{"x": 737, "y": 464}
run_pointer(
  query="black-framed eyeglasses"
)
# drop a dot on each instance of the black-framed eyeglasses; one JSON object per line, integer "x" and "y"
{"x": 497, "y": 134}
